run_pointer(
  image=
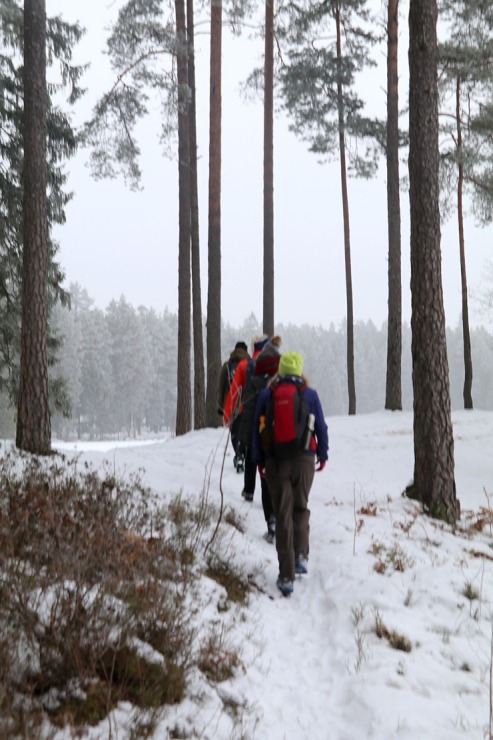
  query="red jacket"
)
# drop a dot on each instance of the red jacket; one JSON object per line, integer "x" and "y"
{"x": 232, "y": 403}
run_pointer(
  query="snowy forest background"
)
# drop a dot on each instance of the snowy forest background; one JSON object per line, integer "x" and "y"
{"x": 120, "y": 366}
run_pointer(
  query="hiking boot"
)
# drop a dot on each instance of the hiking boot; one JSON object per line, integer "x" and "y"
{"x": 247, "y": 495}
{"x": 285, "y": 586}
{"x": 271, "y": 530}
{"x": 301, "y": 565}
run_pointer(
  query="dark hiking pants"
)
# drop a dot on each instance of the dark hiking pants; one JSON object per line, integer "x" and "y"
{"x": 249, "y": 484}
{"x": 250, "y": 472}
{"x": 290, "y": 482}
{"x": 267, "y": 500}
{"x": 234, "y": 429}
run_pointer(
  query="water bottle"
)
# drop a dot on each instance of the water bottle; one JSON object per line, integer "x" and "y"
{"x": 310, "y": 428}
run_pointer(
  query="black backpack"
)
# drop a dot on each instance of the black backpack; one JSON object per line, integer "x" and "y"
{"x": 253, "y": 386}
{"x": 231, "y": 366}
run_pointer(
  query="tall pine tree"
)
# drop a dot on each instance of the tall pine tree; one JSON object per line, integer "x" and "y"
{"x": 434, "y": 482}
{"x": 33, "y": 413}
{"x": 466, "y": 77}
{"x": 393, "y": 386}
{"x": 61, "y": 144}
{"x": 150, "y": 51}
{"x": 327, "y": 44}
{"x": 214, "y": 220}
{"x": 268, "y": 291}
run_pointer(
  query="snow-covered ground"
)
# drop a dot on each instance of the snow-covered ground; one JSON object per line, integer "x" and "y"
{"x": 312, "y": 665}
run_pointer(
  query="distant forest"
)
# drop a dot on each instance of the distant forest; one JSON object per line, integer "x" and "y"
{"x": 120, "y": 366}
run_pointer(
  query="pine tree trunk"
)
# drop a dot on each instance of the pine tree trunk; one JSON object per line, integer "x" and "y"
{"x": 214, "y": 241}
{"x": 393, "y": 393}
{"x": 33, "y": 414}
{"x": 268, "y": 317}
{"x": 434, "y": 483}
{"x": 347, "y": 239}
{"x": 198, "y": 340}
{"x": 467, "y": 393}
{"x": 184, "y": 399}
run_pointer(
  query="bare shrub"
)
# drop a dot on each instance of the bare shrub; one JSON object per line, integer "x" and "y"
{"x": 236, "y": 584}
{"x": 95, "y": 607}
{"x": 216, "y": 660}
{"x": 395, "y": 639}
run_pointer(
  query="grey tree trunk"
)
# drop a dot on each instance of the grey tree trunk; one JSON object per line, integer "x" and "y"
{"x": 347, "y": 239}
{"x": 393, "y": 391}
{"x": 198, "y": 340}
{"x": 466, "y": 335}
{"x": 214, "y": 241}
{"x": 268, "y": 295}
{"x": 184, "y": 397}
{"x": 33, "y": 432}
{"x": 434, "y": 483}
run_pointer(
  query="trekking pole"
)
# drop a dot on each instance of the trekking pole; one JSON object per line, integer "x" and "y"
{"x": 221, "y": 507}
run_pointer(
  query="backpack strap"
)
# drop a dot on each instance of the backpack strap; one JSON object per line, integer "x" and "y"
{"x": 249, "y": 372}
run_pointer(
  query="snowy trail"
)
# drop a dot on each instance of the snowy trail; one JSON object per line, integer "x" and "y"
{"x": 320, "y": 699}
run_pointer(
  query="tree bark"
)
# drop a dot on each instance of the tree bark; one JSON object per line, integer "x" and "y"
{"x": 268, "y": 297}
{"x": 434, "y": 483}
{"x": 466, "y": 335}
{"x": 214, "y": 241}
{"x": 347, "y": 239}
{"x": 184, "y": 399}
{"x": 198, "y": 340}
{"x": 393, "y": 393}
{"x": 33, "y": 432}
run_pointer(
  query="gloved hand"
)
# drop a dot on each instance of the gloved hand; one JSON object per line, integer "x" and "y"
{"x": 320, "y": 466}
{"x": 261, "y": 470}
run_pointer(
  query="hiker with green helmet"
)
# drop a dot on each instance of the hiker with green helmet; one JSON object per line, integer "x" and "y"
{"x": 291, "y": 442}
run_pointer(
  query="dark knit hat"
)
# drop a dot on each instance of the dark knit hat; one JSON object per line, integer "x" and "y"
{"x": 267, "y": 361}
{"x": 241, "y": 345}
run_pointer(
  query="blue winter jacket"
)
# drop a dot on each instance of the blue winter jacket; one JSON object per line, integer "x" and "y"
{"x": 314, "y": 407}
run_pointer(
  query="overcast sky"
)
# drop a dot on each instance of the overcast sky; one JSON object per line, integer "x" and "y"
{"x": 120, "y": 242}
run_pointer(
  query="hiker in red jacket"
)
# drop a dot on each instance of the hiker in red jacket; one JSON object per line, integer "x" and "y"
{"x": 228, "y": 370}
{"x": 239, "y": 354}
{"x": 232, "y": 404}
{"x": 232, "y": 412}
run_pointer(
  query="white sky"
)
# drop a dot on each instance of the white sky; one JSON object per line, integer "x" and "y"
{"x": 119, "y": 242}
{"x": 308, "y": 668}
